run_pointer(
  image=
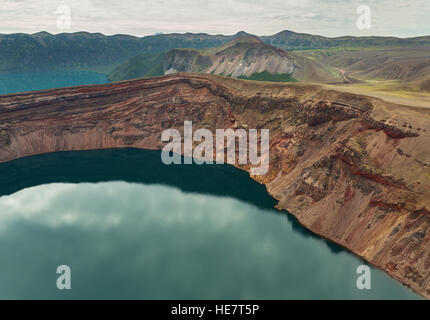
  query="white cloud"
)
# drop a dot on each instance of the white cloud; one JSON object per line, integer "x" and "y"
{"x": 261, "y": 17}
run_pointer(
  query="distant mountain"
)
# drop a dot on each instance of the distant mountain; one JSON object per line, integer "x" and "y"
{"x": 89, "y": 51}
{"x": 290, "y": 40}
{"x": 94, "y": 51}
{"x": 244, "y": 57}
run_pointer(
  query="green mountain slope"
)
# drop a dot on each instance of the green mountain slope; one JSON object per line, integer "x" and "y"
{"x": 289, "y": 40}
{"x": 89, "y": 51}
{"x": 94, "y": 51}
{"x": 266, "y": 76}
{"x": 143, "y": 65}
{"x": 244, "y": 57}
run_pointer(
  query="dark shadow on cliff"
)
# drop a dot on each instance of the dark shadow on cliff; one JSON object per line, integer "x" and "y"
{"x": 139, "y": 166}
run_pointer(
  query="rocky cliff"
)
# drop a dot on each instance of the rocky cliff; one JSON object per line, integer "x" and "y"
{"x": 354, "y": 169}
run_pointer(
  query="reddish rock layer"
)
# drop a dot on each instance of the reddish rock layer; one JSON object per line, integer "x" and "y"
{"x": 351, "y": 168}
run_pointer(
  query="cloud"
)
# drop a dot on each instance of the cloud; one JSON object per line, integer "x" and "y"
{"x": 261, "y": 17}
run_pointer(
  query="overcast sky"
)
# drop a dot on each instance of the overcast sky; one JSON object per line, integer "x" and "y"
{"x": 261, "y": 17}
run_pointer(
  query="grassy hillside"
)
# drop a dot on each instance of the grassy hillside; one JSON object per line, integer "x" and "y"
{"x": 89, "y": 51}
{"x": 399, "y": 68}
{"x": 266, "y": 76}
{"x": 143, "y": 65}
{"x": 94, "y": 51}
{"x": 289, "y": 40}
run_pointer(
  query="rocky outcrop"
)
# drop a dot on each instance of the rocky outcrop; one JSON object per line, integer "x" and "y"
{"x": 243, "y": 56}
{"x": 351, "y": 168}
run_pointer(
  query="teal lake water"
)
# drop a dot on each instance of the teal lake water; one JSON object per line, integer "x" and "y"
{"x": 30, "y": 81}
{"x": 130, "y": 227}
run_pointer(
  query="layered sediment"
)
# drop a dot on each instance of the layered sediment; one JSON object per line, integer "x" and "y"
{"x": 351, "y": 168}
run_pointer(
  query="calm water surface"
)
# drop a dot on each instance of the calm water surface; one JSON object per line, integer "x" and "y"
{"x": 130, "y": 227}
{"x": 30, "y": 81}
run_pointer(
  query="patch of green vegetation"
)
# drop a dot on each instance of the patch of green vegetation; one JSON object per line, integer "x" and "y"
{"x": 144, "y": 65}
{"x": 266, "y": 76}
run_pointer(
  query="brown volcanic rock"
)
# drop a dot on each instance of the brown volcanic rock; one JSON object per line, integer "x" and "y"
{"x": 351, "y": 168}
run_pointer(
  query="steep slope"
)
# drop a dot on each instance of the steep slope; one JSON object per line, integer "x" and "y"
{"x": 351, "y": 168}
{"x": 244, "y": 57}
{"x": 147, "y": 64}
